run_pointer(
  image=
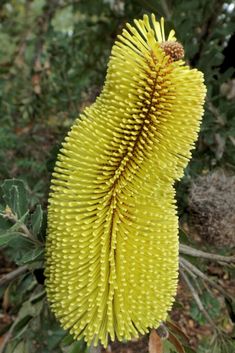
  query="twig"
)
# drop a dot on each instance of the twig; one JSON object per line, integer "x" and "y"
{"x": 197, "y": 299}
{"x": 209, "y": 24}
{"x": 192, "y": 274}
{"x": 13, "y": 275}
{"x": 43, "y": 23}
{"x": 187, "y": 250}
{"x": 220, "y": 119}
{"x": 166, "y": 9}
{"x": 18, "y": 58}
{"x": 147, "y": 5}
{"x": 6, "y": 339}
{"x": 191, "y": 269}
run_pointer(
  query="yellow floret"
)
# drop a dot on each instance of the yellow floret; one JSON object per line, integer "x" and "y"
{"x": 112, "y": 244}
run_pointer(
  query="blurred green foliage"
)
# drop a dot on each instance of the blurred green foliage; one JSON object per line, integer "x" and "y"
{"x": 53, "y": 59}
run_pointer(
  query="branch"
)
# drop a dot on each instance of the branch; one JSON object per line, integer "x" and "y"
{"x": 18, "y": 58}
{"x": 220, "y": 119}
{"x": 183, "y": 265}
{"x": 6, "y": 339}
{"x": 193, "y": 270}
{"x": 197, "y": 299}
{"x": 166, "y": 9}
{"x": 43, "y": 23}
{"x": 187, "y": 250}
{"x": 12, "y": 275}
{"x": 209, "y": 24}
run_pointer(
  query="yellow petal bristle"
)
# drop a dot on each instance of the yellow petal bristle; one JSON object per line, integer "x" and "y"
{"x": 112, "y": 243}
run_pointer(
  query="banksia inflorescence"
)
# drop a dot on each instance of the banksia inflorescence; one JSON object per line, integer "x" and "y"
{"x": 112, "y": 245}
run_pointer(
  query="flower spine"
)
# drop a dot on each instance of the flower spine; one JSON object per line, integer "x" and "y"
{"x": 112, "y": 244}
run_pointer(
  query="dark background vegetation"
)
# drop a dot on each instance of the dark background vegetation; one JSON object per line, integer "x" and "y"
{"x": 53, "y": 59}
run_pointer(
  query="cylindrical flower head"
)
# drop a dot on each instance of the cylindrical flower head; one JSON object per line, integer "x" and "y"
{"x": 112, "y": 244}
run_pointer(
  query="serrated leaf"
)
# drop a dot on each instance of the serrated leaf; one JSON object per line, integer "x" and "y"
{"x": 37, "y": 218}
{"x": 15, "y": 196}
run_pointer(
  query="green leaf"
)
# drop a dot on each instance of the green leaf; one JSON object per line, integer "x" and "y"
{"x": 189, "y": 350}
{"x": 37, "y": 218}
{"x": 22, "y": 347}
{"x": 38, "y": 297}
{"x": 26, "y": 313}
{"x": 8, "y": 46}
{"x": 64, "y": 19}
{"x": 32, "y": 255}
{"x": 7, "y": 237}
{"x": 19, "y": 222}
{"x": 55, "y": 338}
{"x": 15, "y": 196}
{"x": 68, "y": 340}
{"x": 212, "y": 305}
{"x": 4, "y": 223}
{"x": 168, "y": 347}
{"x": 78, "y": 347}
{"x": 176, "y": 343}
{"x": 174, "y": 328}
{"x": 21, "y": 326}
{"x": 19, "y": 248}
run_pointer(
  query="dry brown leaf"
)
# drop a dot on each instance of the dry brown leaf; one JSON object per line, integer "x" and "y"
{"x": 176, "y": 343}
{"x": 6, "y": 302}
{"x": 36, "y": 82}
{"x": 155, "y": 343}
{"x": 177, "y": 329}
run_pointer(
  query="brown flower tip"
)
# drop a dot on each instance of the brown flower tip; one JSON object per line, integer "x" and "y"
{"x": 174, "y": 49}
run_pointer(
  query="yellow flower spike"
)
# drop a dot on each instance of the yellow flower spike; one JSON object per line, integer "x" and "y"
{"x": 112, "y": 244}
